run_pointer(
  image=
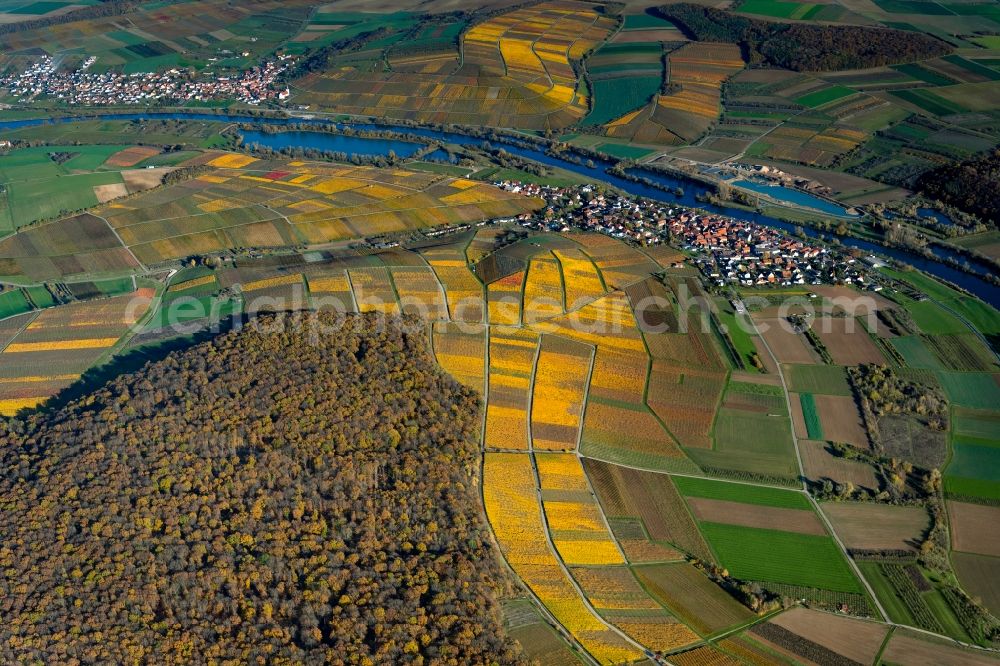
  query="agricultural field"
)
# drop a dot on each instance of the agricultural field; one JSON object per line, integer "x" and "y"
{"x": 562, "y": 374}
{"x": 539, "y": 640}
{"x": 820, "y": 464}
{"x": 869, "y": 526}
{"x": 696, "y": 73}
{"x": 789, "y": 558}
{"x": 509, "y": 491}
{"x": 690, "y": 595}
{"x": 972, "y": 470}
{"x": 243, "y": 202}
{"x": 752, "y": 434}
{"x": 624, "y": 76}
{"x": 650, "y": 499}
{"x": 516, "y": 71}
{"x": 907, "y": 647}
{"x": 52, "y": 181}
{"x": 854, "y": 639}
{"x": 159, "y": 36}
{"x": 52, "y": 349}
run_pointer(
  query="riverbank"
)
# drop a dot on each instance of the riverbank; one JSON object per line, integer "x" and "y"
{"x": 669, "y": 189}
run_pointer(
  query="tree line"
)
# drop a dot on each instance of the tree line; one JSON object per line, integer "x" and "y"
{"x": 803, "y": 46}
{"x": 971, "y": 186}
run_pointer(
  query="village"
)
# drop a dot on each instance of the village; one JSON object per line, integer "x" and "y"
{"x": 81, "y": 87}
{"x": 727, "y": 251}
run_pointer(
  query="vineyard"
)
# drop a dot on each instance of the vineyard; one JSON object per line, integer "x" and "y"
{"x": 512, "y": 362}
{"x": 512, "y": 508}
{"x": 45, "y": 352}
{"x": 516, "y": 71}
{"x": 244, "y": 202}
{"x": 619, "y": 514}
{"x": 560, "y": 383}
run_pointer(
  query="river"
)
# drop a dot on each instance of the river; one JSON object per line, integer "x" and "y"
{"x": 689, "y": 198}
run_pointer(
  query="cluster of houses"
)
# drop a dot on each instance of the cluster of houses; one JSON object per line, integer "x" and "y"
{"x": 727, "y": 251}
{"x": 46, "y": 79}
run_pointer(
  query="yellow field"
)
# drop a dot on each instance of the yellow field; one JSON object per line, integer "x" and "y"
{"x": 660, "y": 636}
{"x": 373, "y": 290}
{"x": 512, "y": 356}
{"x": 59, "y": 345}
{"x": 561, "y": 471}
{"x": 191, "y": 284}
{"x": 462, "y": 289}
{"x": 509, "y": 493}
{"x": 606, "y": 321}
{"x": 583, "y": 282}
{"x": 329, "y": 283}
{"x": 461, "y": 353}
{"x": 516, "y": 71}
{"x": 232, "y": 161}
{"x": 505, "y": 300}
{"x": 420, "y": 293}
{"x": 557, "y": 402}
{"x": 11, "y": 406}
{"x": 543, "y": 290}
{"x": 279, "y": 281}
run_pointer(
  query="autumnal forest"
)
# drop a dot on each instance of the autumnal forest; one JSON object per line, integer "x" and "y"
{"x": 290, "y": 492}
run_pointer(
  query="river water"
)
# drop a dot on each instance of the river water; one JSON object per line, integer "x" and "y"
{"x": 691, "y": 189}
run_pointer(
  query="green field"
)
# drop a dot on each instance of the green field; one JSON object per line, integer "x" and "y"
{"x": 822, "y": 379}
{"x": 182, "y": 309}
{"x": 894, "y": 604}
{"x": 983, "y": 317}
{"x": 973, "y": 67}
{"x": 811, "y": 416}
{"x": 740, "y": 492}
{"x": 779, "y": 8}
{"x": 40, "y": 296}
{"x": 13, "y": 302}
{"x": 750, "y": 442}
{"x": 38, "y": 187}
{"x": 988, "y": 41}
{"x": 916, "y": 353}
{"x": 613, "y": 98}
{"x": 929, "y": 102}
{"x": 624, "y": 151}
{"x": 912, "y": 7}
{"x": 978, "y": 390}
{"x": 824, "y": 96}
{"x": 935, "y": 320}
{"x": 923, "y": 74}
{"x": 974, "y": 468}
{"x": 781, "y": 557}
{"x": 736, "y": 328}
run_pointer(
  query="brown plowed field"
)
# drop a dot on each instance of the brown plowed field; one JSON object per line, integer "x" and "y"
{"x": 787, "y": 346}
{"x": 855, "y": 639}
{"x": 841, "y": 420}
{"x": 906, "y": 649}
{"x": 847, "y": 341}
{"x": 821, "y": 464}
{"x": 753, "y": 515}
{"x": 973, "y": 528}
{"x": 869, "y": 526}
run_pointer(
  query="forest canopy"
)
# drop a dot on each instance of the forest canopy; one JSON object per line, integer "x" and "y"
{"x": 284, "y": 493}
{"x": 971, "y": 185}
{"x": 803, "y": 46}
